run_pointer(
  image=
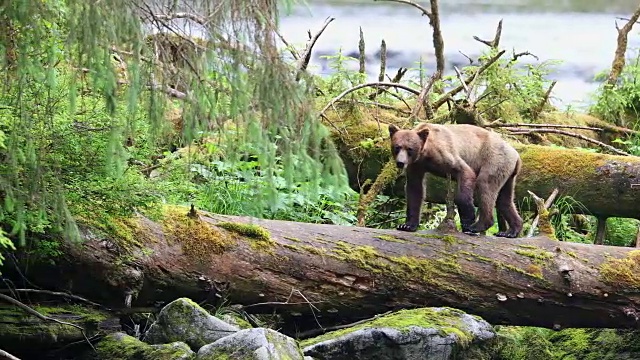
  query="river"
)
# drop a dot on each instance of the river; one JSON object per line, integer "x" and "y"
{"x": 581, "y": 34}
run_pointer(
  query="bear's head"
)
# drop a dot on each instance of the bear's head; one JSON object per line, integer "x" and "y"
{"x": 406, "y": 145}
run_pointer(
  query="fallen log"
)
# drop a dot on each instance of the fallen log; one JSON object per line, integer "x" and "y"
{"x": 324, "y": 275}
{"x": 600, "y": 184}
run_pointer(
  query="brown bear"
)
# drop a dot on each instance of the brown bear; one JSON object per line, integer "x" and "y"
{"x": 476, "y": 158}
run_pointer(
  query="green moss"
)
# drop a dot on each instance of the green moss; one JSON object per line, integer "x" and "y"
{"x": 197, "y": 237}
{"x": 538, "y": 256}
{"x": 622, "y": 273}
{"x": 314, "y": 250}
{"x": 391, "y": 238}
{"x": 262, "y": 237}
{"x": 534, "y": 272}
{"x": 292, "y": 239}
{"x": 291, "y": 247}
{"x": 118, "y": 346}
{"x": 446, "y": 320}
{"x": 365, "y": 257}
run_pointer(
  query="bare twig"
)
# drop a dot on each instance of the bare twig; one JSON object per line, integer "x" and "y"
{"x": 496, "y": 38}
{"x": 457, "y": 89}
{"x": 547, "y": 205}
{"x": 515, "y": 125}
{"x": 567, "y": 133}
{"x": 520, "y": 54}
{"x": 424, "y": 10}
{"x": 618, "y": 60}
{"x": 55, "y": 293}
{"x": 303, "y": 62}
{"x": 545, "y": 99}
{"x": 423, "y": 98}
{"x": 29, "y": 310}
{"x": 370, "y": 84}
{"x": 315, "y": 332}
{"x": 396, "y": 79}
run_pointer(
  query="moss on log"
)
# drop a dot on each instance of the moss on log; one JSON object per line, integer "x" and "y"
{"x": 601, "y": 184}
{"x": 350, "y": 273}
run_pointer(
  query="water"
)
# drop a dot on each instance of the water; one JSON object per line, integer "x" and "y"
{"x": 579, "y": 33}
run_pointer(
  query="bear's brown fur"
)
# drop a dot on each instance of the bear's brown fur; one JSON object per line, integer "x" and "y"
{"x": 476, "y": 158}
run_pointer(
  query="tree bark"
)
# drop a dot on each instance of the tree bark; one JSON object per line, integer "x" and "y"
{"x": 600, "y": 184}
{"x": 350, "y": 273}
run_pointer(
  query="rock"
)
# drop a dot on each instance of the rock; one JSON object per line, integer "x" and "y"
{"x": 236, "y": 320}
{"x": 428, "y": 333}
{"x": 120, "y": 346}
{"x": 184, "y": 320}
{"x": 252, "y": 344}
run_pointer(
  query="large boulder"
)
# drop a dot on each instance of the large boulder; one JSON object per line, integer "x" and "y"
{"x": 428, "y": 333}
{"x": 184, "y": 320}
{"x": 252, "y": 344}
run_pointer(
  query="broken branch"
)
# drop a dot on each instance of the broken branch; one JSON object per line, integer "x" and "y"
{"x": 567, "y": 133}
{"x": 303, "y": 62}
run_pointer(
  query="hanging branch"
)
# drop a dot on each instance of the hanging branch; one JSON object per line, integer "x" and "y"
{"x": 618, "y": 60}
{"x": 305, "y": 58}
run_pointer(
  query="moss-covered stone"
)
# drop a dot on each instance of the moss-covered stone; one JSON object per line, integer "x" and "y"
{"x": 184, "y": 320}
{"x": 426, "y": 333}
{"x": 252, "y": 344}
{"x": 120, "y": 346}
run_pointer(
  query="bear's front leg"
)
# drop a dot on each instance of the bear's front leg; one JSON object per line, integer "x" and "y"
{"x": 414, "y": 194}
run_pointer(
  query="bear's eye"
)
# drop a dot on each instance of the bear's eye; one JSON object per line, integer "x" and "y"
{"x": 397, "y": 148}
{"x": 409, "y": 152}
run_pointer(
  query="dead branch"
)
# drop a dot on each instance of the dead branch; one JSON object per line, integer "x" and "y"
{"x": 423, "y": 98}
{"x": 361, "y": 52}
{"x": 200, "y": 20}
{"x": 601, "y": 229}
{"x": 618, "y": 59}
{"x": 370, "y": 84}
{"x": 424, "y": 10}
{"x": 54, "y": 293}
{"x": 579, "y": 127}
{"x": 383, "y": 61}
{"x": 496, "y": 38}
{"x": 545, "y": 206}
{"x": 520, "y": 54}
{"x": 545, "y": 99}
{"x": 396, "y": 79}
{"x": 303, "y": 62}
{"x": 443, "y": 99}
{"x": 387, "y": 176}
{"x": 42, "y": 317}
{"x": 567, "y": 133}
{"x": 438, "y": 41}
{"x": 544, "y": 216}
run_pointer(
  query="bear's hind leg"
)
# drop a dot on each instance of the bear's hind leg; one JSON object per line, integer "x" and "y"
{"x": 488, "y": 186}
{"x": 464, "y": 200}
{"x": 505, "y": 205}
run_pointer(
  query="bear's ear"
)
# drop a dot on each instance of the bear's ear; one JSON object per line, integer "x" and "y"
{"x": 392, "y": 129}
{"x": 423, "y": 133}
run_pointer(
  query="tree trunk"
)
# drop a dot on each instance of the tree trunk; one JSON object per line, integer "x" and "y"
{"x": 349, "y": 273}
{"x": 599, "y": 183}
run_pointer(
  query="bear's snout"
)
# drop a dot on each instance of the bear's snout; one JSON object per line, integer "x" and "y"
{"x": 400, "y": 164}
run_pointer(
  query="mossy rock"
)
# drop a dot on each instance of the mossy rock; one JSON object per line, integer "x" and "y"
{"x": 184, "y": 320}
{"x": 120, "y": 346}
{"x": 427, "y": 333}
{"x": 252, "y": 344}
{"x": 236, "y": 320}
